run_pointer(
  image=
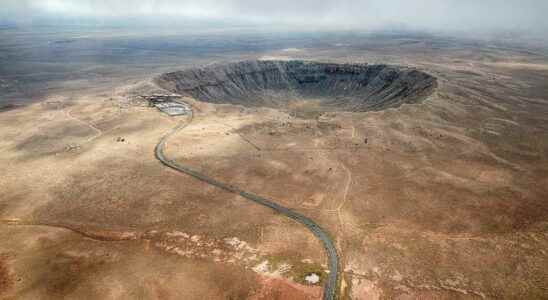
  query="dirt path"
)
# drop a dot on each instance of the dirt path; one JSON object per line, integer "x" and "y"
{"x": 102, "y": 236}
{"x": 98, "y": 131}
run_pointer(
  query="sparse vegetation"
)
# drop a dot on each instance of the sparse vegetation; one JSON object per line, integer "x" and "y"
{"x": 447, "y": 199}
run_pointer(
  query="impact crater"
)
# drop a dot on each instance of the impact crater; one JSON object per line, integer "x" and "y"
{"x": 303, "y": 85}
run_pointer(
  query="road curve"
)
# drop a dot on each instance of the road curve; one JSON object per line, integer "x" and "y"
{"x": 321, "y": 234}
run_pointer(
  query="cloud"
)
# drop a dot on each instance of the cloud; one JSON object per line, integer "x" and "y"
{"x": 358, "y": 14}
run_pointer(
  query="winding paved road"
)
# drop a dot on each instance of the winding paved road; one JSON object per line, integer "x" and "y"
{"x": 331, "y": 283}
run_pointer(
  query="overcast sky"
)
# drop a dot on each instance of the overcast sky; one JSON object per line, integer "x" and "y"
{"x": 433, "y": 15}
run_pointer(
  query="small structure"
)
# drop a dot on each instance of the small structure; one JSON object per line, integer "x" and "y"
{"x": 312, "y": 278}
{"x": 168, "y": 104}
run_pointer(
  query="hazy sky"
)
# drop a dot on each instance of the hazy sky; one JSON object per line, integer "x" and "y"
{"x": 436, "y": 15}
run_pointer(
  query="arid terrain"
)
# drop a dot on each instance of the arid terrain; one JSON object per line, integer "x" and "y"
{"x": 439, "y": 194}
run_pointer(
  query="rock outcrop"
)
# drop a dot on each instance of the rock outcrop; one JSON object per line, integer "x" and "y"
{"x": 348, "y": 87}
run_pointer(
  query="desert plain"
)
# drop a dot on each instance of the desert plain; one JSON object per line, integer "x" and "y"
{"x": 443, "y": 197}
